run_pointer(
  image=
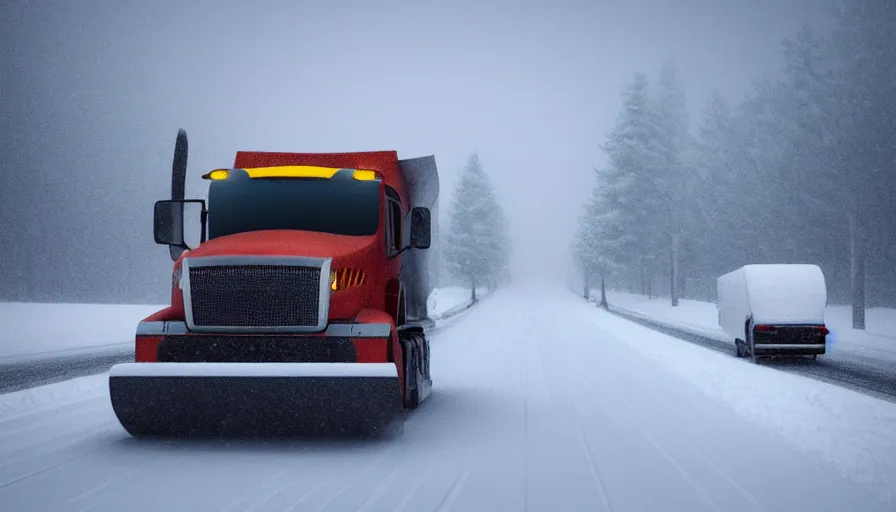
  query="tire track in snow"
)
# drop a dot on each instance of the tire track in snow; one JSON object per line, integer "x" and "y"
{"x": 693, "y": 448}
{"x": 45, "y": 469}
{"x": 649, "y": 396}
{"x": 379, "y": 491}
{"x": 360, "y": 476}
{"x": 283, "y": 480}
{"x": 412, "y": 492}
{"x": 45, "y": 413}
{"x": 627, "y": 421}
{"x": 47, "y": 455}
{"x": 595, "y": 472}
{"x": 98, "y": 489}
{"x": 119, "y": 483}
{"x": 450, "y": 496}
{"x": 9, "y": 434}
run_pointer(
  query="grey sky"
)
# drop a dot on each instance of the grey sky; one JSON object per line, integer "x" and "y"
{"x": 532, "y": 86}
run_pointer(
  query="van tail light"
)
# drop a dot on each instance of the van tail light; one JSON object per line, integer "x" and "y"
{"x": 824, "y": 330}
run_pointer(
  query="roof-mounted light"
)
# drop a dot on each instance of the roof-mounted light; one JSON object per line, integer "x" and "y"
{"x": 295, "y": 171}
{"x": 218, "y": 174}
{"x": 362, "y": 175}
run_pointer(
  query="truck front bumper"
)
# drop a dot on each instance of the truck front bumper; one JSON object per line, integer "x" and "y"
{"x": 171, "y": 341}
{"x": 789, "y": 349}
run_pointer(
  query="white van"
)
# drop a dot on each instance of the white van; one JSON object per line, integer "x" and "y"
{"x": 774, "y": 309}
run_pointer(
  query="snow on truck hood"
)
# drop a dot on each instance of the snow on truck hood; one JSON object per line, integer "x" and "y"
{"x": 786, "y": 293}
{"x": 283, "y": 242}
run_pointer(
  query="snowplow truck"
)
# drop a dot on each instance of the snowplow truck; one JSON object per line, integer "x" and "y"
{"x": 302, "y": 308}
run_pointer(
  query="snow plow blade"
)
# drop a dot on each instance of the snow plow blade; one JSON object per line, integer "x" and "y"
{"x": 254, "y": 399}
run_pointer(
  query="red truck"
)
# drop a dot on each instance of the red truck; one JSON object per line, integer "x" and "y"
{"x": 303, "y": 306}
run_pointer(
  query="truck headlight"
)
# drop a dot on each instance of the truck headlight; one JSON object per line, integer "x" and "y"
{"x": 346, "y": 278}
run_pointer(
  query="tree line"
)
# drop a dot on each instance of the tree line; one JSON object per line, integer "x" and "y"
{"x": 476, "y": 242}
{"x": 802, "y": 170}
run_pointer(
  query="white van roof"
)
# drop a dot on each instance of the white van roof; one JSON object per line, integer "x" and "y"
{"x": 786, "y": 293}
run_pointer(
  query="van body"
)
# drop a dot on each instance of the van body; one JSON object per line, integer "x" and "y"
{"x": 774, "y": 309}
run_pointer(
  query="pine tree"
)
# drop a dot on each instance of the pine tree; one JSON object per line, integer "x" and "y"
{"x": 671, "y": 142}
{"x": 477, "y": 245}
{"x": 599, "y": 240}
{"x": 632, "y": 195}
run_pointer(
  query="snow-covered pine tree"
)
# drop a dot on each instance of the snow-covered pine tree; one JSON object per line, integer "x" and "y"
{"x": 632, "y": 199}
{"x": 476, "y": 247}
{"x": 670, "y": 143}
{"x": 599, "y": 239}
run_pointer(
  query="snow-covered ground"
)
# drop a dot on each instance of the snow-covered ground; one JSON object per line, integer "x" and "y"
{"x": 448, "y": 300}
{"x": 877, "y": 341}
{"x": 540, "y": 402}
{"x": 33, "y": 330}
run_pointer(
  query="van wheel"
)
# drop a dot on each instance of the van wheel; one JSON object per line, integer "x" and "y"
{"x": 750, "y": 341}
{"x": 753, "y": 358}
{"x": 738, "y": 348}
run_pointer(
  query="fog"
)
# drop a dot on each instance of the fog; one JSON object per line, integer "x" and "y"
{"x": 93, "y": 94}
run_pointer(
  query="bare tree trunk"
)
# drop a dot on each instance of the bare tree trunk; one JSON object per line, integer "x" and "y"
{"x": 643, "y": 279}
{"x": 586, "y": 285}
{"x": 603, "y": 292}
{"x": 473, "y": 289}
{"x": 675, "y": 278}
{"x": 857, "y": 271}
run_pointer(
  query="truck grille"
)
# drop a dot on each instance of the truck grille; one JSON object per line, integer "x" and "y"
{"x": 255, "y": 295}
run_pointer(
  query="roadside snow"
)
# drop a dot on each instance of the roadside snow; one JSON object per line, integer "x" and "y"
{"x": 32, "y": 330}
{"x": 446, "y": 300}
{"x": 877, "y": 341}
{"x": 844, "y": 430}
{"x": 37, "y": 399}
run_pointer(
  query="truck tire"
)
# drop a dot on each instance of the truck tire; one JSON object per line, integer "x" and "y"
{"x": 411, "y": 371}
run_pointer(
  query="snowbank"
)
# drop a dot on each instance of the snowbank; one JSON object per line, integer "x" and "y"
{"x": 448, "y": 300}
{"x": 877, "y": 341}
{"x": 34, "y": 329}
{"x": 31, "y": 329}
{"x": 842, "y": 429}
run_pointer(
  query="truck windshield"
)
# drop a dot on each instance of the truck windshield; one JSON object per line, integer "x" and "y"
{"x": 342, "y": 207}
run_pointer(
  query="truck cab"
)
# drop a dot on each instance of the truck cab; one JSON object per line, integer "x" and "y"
{"x": 312, "y": 263}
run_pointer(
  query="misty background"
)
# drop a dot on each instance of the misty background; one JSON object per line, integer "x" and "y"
{"x": 92, "y": 94}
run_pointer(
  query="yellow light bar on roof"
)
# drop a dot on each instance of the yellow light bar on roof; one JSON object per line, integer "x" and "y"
{"x": 362, "y": 175}
{"x": 294, "y": 171}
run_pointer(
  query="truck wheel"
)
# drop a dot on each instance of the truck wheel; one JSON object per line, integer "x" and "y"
{"x": 739, "y": 348}
{"x": 411, "y": 370}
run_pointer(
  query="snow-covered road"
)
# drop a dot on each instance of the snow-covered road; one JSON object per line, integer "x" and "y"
{"x": 539, "y": 403}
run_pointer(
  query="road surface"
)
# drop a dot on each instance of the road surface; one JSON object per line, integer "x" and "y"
{"x": 535, "y": 408}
